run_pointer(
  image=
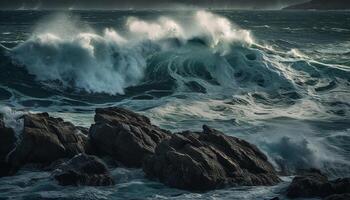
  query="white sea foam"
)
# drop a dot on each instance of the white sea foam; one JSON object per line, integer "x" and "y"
{"x": 12, "y": 119}
{"x": 86, "y": 61}
{"x": 155, "y": 30}
{"x": 221, "y": 29}
{"x": 67, "y": 51}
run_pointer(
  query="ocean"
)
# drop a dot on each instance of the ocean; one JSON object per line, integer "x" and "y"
{"x": 278, "y": 79}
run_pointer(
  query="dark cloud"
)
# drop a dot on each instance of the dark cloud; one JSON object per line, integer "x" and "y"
{"x": 119, "y": 4}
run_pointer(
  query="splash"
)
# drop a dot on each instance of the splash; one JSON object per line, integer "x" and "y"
{"x": 296, "y": 145}
{"x": 215, "y": 28}
{"x": 221, "y": 29}
{"x": 12, "y": 119}
{"x": 69, "y": 53}
{"x": 83, "y": 60}
{"x": 160, "y": 29}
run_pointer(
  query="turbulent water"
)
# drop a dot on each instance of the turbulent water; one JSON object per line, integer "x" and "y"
{"x": 280, "y": 80}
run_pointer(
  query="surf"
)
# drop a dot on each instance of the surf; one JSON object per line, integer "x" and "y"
{"x": 108, "y": 62}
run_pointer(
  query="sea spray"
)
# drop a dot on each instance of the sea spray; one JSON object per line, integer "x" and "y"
{"x": 64, "y": 51}
{"x": 12, "y": 119}
{"x": 86, "y": 61}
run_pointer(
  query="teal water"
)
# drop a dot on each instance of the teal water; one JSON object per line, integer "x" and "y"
{"x": 278, "y": 79}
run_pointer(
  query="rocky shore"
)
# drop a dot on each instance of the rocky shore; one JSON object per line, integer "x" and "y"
{"x": 195, "y": 161}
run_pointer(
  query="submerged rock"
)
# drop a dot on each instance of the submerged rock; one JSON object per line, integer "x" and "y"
{"x": 83, "y": 170}
{"x": 313, "y": 183}
{"x": 124, "y": 135}
{"x": 7, "y": 144}
{"x": 208, "y": 160}
{"x": 46, "y": 139}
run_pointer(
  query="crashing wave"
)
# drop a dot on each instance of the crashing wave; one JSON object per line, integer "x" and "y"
{"x": 109, "y": 62}
{"x": 155, "y": 58}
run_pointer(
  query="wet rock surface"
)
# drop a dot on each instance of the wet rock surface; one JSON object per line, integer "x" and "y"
{"x": 45, "y": 139}
{"x": 188, "y": 160}
{"x": 313, "y": 183}
{"x": 124, "y": 135}
{"x": 83, "y": 169}
{"x": 208, "y": 160}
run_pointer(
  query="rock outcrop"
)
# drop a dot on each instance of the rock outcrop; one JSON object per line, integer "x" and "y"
{"x": 83, "y": 169}
{"x": 45, "y": 139}
{"x": 7, "y": 144}
{"x": 313, "y": 183}
{"x": 208, "y": 160}
{"x": 198, "y": 161}
{"x": 124, "y": 135}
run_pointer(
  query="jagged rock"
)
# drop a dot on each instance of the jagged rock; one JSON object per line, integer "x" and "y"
{"x": 309, "y": 184}
{"x": 46, "y": 139}
{"x": 124, "y": 135}
{"x": 208, "y": 160}
{"x": 313, "y": 183}
{"x": 7, "y": 143}
{"x": 83, "y": 170}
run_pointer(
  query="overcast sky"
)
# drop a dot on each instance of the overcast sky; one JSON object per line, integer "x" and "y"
{"x": 119, "y": 4}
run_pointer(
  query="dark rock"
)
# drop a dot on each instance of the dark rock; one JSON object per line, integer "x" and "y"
{"x": 340, "y": 186}
{"x": 309, "y": 184}
{"x": 7, "y": 144}
{"x": 83, "y": 130}
{"x": 54, "y": 165}
{"x": 208, "y": 160}
{"x": 83, "y": 170}
{"x": 315, "y": 184}
{"x": 6, "y": 169}
{"x": 338, "y": 197}
{"x": 124, "y": 135}
{"x": 46, "y": 139}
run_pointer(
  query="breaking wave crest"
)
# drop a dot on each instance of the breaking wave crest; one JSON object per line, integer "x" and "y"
{"x": 207, "y": 53}
{"x": 107, "y": 62}
{"x": 147, "y": 59}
